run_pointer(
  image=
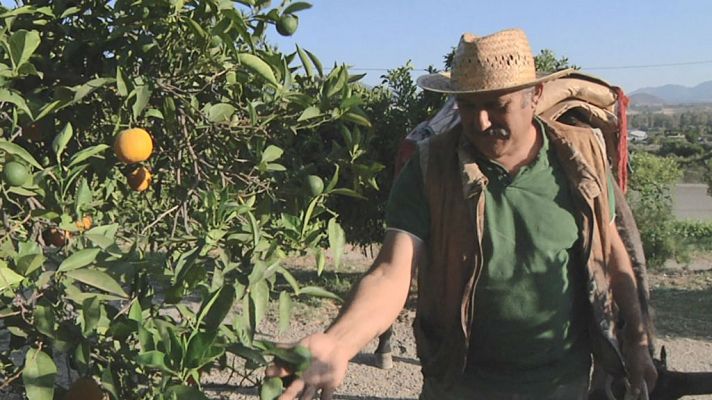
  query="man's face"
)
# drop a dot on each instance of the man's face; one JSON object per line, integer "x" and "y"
{"x": 492, "y": 120}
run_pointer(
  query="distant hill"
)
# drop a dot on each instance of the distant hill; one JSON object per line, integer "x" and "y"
{"x": 677, "y": 94}
{"x": 645, "y": 99}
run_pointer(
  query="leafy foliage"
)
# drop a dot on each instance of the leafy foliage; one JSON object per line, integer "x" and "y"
{"x": 651, "y": 202}
{"x": 237, "y": 127}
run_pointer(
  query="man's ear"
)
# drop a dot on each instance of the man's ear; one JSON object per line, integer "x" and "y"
{"x": 536, "y": 94}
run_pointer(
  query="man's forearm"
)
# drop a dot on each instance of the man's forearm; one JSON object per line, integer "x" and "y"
{"x": 378, "y": 297}
{"x": 625, "y": 292}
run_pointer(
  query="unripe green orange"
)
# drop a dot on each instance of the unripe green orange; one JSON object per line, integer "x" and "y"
{"x": 287, "y": 24}
{"x": 15, "y": 173}
{"x": 316, "y": 185}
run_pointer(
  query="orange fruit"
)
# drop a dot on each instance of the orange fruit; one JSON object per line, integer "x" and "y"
{"x": 140, "y": 179}
{"x": 84, "y": 223}
{"x": 84, "y": 389}
{"x": 58, "y": 237}
{"x": 133, "y": 145}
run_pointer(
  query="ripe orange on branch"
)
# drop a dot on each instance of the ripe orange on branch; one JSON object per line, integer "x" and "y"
{"x": 139, "y": 179}
{"x": 133, "y": 145}
{"x": 84, "y": 223}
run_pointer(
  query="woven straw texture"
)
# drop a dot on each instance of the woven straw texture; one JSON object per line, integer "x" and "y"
{"x": 498, "y": 62}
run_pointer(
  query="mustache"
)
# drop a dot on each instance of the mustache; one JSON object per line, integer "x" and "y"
{"x": 497, "y": 132}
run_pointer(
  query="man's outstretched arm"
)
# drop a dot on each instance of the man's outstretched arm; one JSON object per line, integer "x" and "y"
{"x": 372, "y": 307}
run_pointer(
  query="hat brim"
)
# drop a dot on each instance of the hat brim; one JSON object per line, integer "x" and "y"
{"x": 440, "y": 82}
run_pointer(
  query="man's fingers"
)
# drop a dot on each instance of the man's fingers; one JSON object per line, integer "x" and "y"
{"x": 309, "y": 392}
{"x": 292, "y": 390}
{"x": 278, "y": 370}
{"x": 327, "y": 394}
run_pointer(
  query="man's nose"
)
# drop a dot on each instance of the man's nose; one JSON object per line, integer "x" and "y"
{"x": 483, "y": 120}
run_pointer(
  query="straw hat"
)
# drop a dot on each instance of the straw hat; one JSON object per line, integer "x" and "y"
{"x": 502, "y": 61}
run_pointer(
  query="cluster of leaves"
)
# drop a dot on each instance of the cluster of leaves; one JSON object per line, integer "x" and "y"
{"x": 650, "y": 198}
{"x": 395, "y": 107}
{"x": 695, "y": 233}
{"x": 238, "y": 127}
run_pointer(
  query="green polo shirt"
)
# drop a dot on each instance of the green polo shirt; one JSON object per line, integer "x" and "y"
{"x": 529, "y": 328}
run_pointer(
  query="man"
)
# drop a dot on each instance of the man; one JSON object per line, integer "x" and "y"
{"x": 521, "y": 272}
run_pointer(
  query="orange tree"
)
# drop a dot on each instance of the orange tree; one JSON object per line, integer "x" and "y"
{"x": 98, "y": 249}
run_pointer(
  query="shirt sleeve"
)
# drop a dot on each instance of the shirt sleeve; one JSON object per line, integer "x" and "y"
{"x": 407, "y": 209}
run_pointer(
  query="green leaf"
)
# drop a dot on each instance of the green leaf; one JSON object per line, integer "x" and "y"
{"x": 216, "y": 309}
{"x": 98, "y": 279}
{"x": 220, "y": 112}
{"x": 320, "y": 261}
{"x": 290, "y": 279}
{"x": 108, "y": 383}
{"x": 200, "y": 349}
{"x": 44, "y": 319}
{"x": 28, "y": 264}
{"x": 271, "y": 388}
{"x": 121, "y": 79}
{"x": 84, "y": 154}
{"x": 349, "y": 193}
{"x": 60, "y": 141}
{"x": 81, "y": 91}
{"x": 91, "y": 314}
{"x": 259, "y": 294}
{"x": 337, "y": 241}
{"x": 153, "y": 359}
{"x": 182, "y": 392}
{"x": 310, "y": 112}
{"x": 143, "y": 95}
{"x": 18, "y": 151}
{"x": 22, "y": 45}
{"x": 271, "y": 153}
{"x": 38, "y": 375}
{"x": 316, "y": 291}
{"x": 10, "y": 96}
{"x": 296, "y": 6}
{"x": 316, "y": 62}
{"x": 357, "y": 118}
{"x": 306, "y": 63}
{"x": 80, "y": 259}
{"x": 258, "y": 66}
{"x": 102, "y": 236}
{"x": 83, "y": 197}
{"x": 8, "y": 278}
{"x": 275, "y": 167}
{"x": 285, "y": 311}
{"x": 135, "y": 312}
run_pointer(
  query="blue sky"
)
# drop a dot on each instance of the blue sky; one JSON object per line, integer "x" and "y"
{"x": 596, "y": 35}
{"x": 592, "y": 34}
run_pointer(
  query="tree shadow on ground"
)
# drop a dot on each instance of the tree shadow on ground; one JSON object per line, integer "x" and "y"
{"x": 683, "y": 312}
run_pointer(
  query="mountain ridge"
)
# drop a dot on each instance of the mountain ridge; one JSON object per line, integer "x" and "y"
{"x": 673, "y": 94}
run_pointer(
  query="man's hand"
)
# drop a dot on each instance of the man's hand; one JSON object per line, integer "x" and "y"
{"x": 640, "y": 368}
{"x": 325, "y": 373}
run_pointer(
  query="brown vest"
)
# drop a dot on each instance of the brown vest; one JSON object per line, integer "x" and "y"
{"x": 448, "y": 278}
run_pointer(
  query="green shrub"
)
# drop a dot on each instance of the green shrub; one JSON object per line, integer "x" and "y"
{"x": 651, "y": 201}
